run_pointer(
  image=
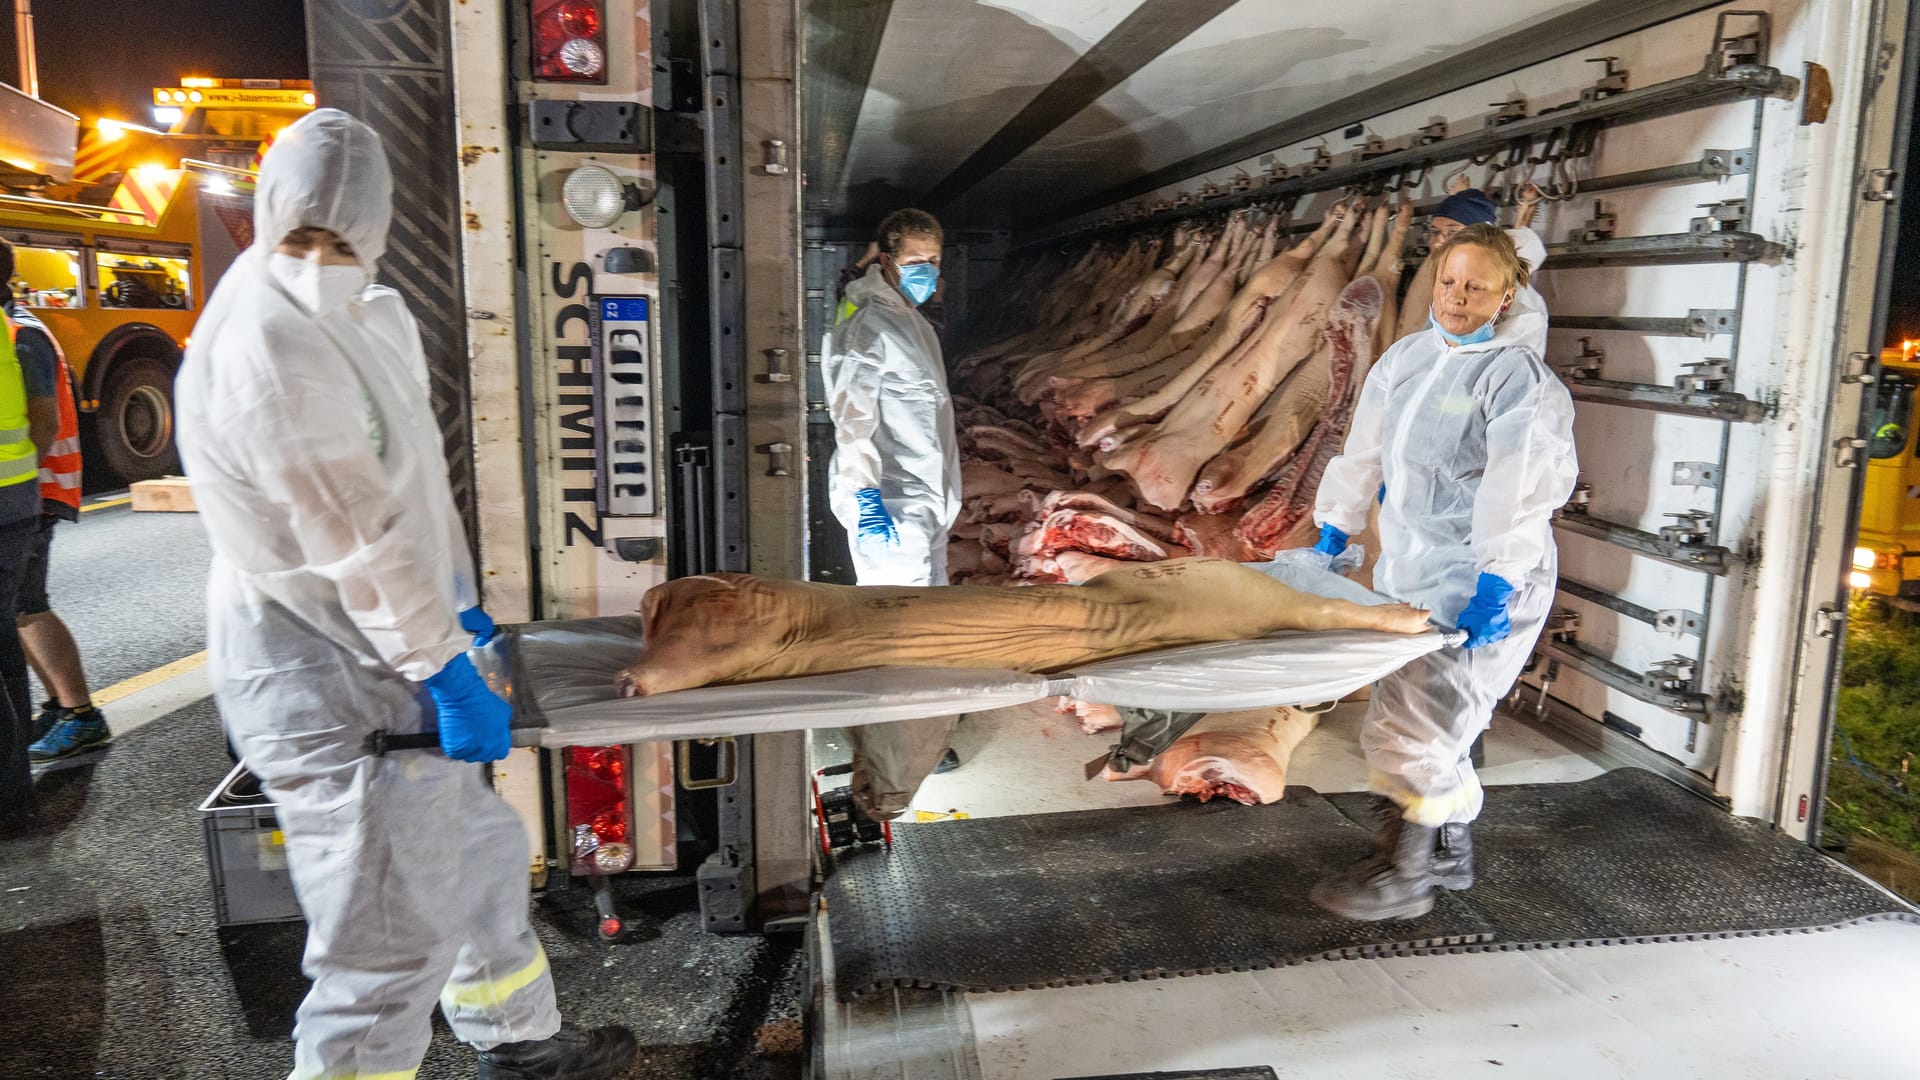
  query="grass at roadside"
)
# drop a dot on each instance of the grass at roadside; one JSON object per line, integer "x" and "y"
{"x": 1871, "y": 791}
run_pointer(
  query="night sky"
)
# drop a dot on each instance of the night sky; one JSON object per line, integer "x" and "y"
{"x": 105, "y": 58}
{"x": 94, "y": 65}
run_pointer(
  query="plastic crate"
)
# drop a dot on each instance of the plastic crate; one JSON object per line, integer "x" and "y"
{"x": 247, "y": 859}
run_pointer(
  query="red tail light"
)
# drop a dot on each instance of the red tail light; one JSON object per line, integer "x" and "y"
{"x": 599, "y": 812}
{"x": 570, "y": 41}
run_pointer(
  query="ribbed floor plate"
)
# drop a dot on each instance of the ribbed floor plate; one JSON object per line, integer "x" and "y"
{"x": 1190, "y": 889}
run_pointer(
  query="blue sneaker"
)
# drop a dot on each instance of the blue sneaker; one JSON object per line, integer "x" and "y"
{"x": 74, "y": 732}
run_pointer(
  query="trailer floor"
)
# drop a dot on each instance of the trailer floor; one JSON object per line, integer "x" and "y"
{"x": 1824, "y": 1004}
{"x": 1835, "y": 1004}
{"x": 111, "y": 966}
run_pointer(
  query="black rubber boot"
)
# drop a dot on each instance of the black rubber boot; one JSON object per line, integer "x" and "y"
{"x": 574, "y": 1053}
{"x": 1395, "y": 882}
{"x": 1453, "y": 857}
{"x": 949, "y": 761}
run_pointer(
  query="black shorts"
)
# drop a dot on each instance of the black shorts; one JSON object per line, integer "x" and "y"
{"x": 33, "y": 585}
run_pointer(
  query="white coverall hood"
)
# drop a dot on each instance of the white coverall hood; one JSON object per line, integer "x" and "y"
{"x": 326, "y": 171}
{"x": 339, "y": 566}
{"x": 893, "y": 430}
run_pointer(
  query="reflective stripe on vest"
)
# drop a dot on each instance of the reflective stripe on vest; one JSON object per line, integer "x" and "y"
{"x": 60, "y": 465}
{"x": 19, "y": 460}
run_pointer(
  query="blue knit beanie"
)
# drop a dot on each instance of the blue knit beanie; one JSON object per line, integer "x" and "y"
{"x": 1470, "y": 207}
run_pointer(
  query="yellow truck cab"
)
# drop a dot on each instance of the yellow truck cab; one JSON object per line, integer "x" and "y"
{"x": 1886, "y": 562}
{"x": 118, "y": 240}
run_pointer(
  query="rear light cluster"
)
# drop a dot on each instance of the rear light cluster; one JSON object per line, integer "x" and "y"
{"x": 599, "y": 811}
{"x": 570, "y": 41}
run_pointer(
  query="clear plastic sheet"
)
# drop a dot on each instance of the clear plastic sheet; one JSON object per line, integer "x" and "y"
{"x": 560, "y": 675}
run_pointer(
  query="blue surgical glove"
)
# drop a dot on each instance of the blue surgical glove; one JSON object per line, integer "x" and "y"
{"x": 1381, "y": 498}
{"x": 1485, "y": 619}
{"x": 478, "y": 623}
{"x": 475, "y": 725}
{"x": 875, "y": 523}
{"x": 1332, "y": 541}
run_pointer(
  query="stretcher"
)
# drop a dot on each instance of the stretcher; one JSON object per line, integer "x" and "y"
{"x": 560, "y": 676}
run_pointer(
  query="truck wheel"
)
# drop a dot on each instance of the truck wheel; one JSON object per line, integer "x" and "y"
{"x": 134, "y": 426}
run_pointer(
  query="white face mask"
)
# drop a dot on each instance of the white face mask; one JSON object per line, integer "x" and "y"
{"x": 319, "y": 289}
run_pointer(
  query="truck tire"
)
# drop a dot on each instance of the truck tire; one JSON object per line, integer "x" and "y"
{"x": 134, "y": 425}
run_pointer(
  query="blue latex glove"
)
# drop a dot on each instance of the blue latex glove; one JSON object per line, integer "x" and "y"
{"x": 1332, "y": 541}
{"x": 475, "y": 725}
{"x": 478, "y": 623}
{"x": 1485, "y": 619}
{"x": 1382, "y": 497}
{"x": 875, "y": 523}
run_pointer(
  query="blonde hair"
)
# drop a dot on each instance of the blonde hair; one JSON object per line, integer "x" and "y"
{"x": 1496, "y": 243}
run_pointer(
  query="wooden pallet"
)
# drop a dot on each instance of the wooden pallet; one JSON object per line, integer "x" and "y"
{"x": 169, "y": 495}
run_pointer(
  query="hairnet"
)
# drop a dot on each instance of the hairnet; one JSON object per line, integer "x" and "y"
{"x": 327, "y": 171}
{"x": 1469, "y": 207}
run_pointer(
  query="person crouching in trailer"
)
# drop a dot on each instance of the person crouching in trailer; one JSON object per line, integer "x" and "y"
{"x": 341, "y": 602}
{"x": 1472, "y": 437}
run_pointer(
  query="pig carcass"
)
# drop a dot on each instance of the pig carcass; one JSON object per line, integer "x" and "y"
{"x": 1241, "y": 756}
{"x": 735, "y": 628}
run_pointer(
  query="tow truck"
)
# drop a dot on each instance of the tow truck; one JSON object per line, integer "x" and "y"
{"x": 119, "y": 238}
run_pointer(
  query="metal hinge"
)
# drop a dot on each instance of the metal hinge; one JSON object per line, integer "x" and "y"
{"x": 1886, "y": 180}
{"x": 777, "y": 161}
{"x": 779, "y": 458}
{"x": 1829, "y": 621}
{"x": 1863, "y": 368}
{"x": 1846, "y": 452}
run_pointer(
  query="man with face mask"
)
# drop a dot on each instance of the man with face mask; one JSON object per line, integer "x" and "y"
{"x": 895, "y": 476}
{"x": 894, "y": 482}
{"x": 341, "y": 602}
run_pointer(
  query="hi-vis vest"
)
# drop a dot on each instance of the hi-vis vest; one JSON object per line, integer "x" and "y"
{"x": 19, "y": 460}
{"x": 60, "y": 465}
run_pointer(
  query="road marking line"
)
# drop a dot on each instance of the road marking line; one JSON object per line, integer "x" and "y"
{"x": 105, "y": 504}
{"x": 152, "y": 678}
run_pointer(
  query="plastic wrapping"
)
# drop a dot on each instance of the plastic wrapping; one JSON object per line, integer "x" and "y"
{"x": 560, "y": 676}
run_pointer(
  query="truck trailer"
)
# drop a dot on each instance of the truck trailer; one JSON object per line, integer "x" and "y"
{"x": 653, "y": 199}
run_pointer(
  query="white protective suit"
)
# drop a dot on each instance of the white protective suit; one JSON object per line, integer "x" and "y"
{"x": 339, "y": 563}
{"x": 1526, "y": 298}
{"x": 893, "y": 430}
{"x": 1475, "y": 446}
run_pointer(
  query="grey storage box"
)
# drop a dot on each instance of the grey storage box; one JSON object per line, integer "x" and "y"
{"x": 247, "y": 858}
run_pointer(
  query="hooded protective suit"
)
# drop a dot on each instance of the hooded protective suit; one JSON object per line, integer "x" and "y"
{"x": 339, "y": 564}
{"x": 893, "y": 429}
{"x": 1475, "y": 447}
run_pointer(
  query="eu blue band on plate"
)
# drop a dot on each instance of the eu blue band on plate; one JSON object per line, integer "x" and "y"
{"x": 624, "y": 309}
